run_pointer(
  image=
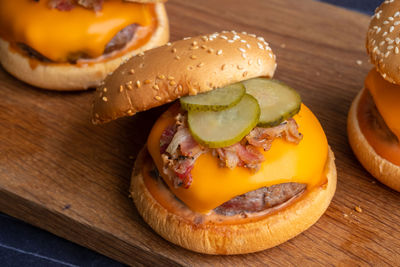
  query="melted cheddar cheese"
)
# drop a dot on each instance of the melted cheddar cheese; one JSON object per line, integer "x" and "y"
{"x": 57, "y": 34}
{"x": 387, "y": 100}
{"x": 285, "y": 162}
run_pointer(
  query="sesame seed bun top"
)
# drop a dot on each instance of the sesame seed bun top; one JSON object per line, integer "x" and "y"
{"x": 189, "y": 66}
{"x": 383, "y": 40}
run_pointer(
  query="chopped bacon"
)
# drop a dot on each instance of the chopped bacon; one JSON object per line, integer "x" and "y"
{"x": 62, "y": 5}
{"x": 263, "y": 137}
{"x": 240, "y": 155}
{"x": 166, "y": 137}
{"x": 96, "y": 5}
{"x": 66, "y": 5}
{"x": 179, "y": 149}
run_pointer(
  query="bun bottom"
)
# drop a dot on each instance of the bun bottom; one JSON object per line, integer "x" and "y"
{"x": 69, "y": 77}
{"x": 239, "y": 237}
{"x": 382, "y": 169}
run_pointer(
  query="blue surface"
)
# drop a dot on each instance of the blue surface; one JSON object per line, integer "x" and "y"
{"x": 24, "y": 245}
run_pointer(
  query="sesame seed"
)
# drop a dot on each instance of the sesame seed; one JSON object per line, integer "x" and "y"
{"x": 386, "y": 22}
{"x": 244, "y": 55}
{"x": 105, "y": 99}
{"x": 194, "y": 47}
{"x": 138, "y": 84}
{"x": 180, "y": 88}
{"x": 252, "y": 35}
{"x": 243, "y": 41}
{"x": 200, "y": 64}
{"x": 387, "y": 54}
{"x": 391, "y": 28}
{"x": 130, "y": 112}
{"x": 259, "y": 62}
{"x": 186, "y": 38}
{"x": 219, "y": 52}
{"x": 147, "y": 81}
{"x": 381, "y": 43}
{"x": 358, "y": 209}
{"x": 231, "y": 41}
{"x": 156, "y": 87}
{"x": 104, "y": 89}
{"x": 374, "y": 50}
{"x": 390, "y": 18}
{"x": 190, "y": 67}
{"x": 378, "y": 30}
{"x": 241, "y": 49}
{"x": 248, "y": 45}
{"x": 177, "y": 57}
{"x": 223, "y": 66}
{"x": 223, "y": 37}
{"x": 121, "y": 88}
{"x": 261, "y": 39}
{"x": 171, "y": 78}
{"x": 390, "y": 47}
{"x": 396, "y": 50}
{"x": 396, "y": 23}
{"x": 245, "y": 74}
{"x": 157, "y": 97}
{"x": 168, "y": 44}
{"x": 384, "y": 34}
{"x": 239, "y": 67}
{"x": 210, "y": 50}
{"x": 173, "y": 50}
{"x": 172, "y": 83}
{"x": 250, "y": 61}
{"x": 193, "y": 57}
{"x": 161, "y": 77}
{"x": 194, "y": 43}
{"x": 204, "y": 38}
{"x": 141, "y": 54}
{"x": 203, "y": 47}
{"x": 132, "y": 71}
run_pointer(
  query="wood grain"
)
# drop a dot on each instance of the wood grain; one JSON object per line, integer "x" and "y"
{"x": 59, "y": 172}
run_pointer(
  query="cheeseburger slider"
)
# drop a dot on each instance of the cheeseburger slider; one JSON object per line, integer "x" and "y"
{"x": 238, "y": 164}
{"x": 374, "y": 116}
{"x": 74, "y": 44}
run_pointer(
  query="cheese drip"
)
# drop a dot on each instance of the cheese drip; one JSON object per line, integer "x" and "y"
{"x": 285, "y": 162}
{"x": 57, "y": 34}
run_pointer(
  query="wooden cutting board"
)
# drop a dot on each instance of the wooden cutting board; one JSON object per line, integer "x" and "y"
{"x": 63, "y": 174}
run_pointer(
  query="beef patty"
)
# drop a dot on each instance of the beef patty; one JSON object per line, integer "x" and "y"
{"x": 261, "y": 199}
{"x": 119, "y": 41}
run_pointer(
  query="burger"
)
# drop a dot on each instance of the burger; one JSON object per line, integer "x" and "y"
{"x": 374, "y": 116}
{"x": 238, "y": 164}
{"x": 74, "y": 44}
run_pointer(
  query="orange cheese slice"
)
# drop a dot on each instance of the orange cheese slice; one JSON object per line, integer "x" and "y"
{"x": 387, "y": 99}
{"x": 285, "y": 162}
{"x": 57, "y": 34}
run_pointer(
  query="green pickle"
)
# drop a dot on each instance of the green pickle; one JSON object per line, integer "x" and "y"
{"x": 216, "y": 100}
{"x": 223, "y": 128}
{"x": 277, "y": 101}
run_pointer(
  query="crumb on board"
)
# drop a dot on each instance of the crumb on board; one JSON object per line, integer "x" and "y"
{"x": 345, "y": 215}
{"x": 283, "y": 45}
{"x": 317, "y": 73}
{"x": 359, "y": 62}
{"x": 358, "y": 209}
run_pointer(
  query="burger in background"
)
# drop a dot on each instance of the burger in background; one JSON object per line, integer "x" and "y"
{"x": 374, "y": 116}
{"x": 74, "y": 44}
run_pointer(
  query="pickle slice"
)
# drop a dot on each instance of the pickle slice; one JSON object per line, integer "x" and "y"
{"x": 277, "y": 101}
{"x": 226, "y": 127}
{"x": 217, "y": 99}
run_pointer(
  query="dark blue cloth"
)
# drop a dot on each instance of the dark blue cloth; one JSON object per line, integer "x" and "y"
{"x": 24, "y": 245}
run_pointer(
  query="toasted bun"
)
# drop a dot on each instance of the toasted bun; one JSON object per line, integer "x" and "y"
{"x": 383, "y": 42}
{"x": 189, "y": 66}
{"x": 237, "y": 238}
{"x": 382, "y": 169}
{"x": 71, "y": 77}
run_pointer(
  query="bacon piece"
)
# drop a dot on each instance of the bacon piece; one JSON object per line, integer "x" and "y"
{"x": 240, "y": 155}
{"x": 96, "y": 5}
{"x": 263, "y": 137}
{"x": 166, "y": 137}
{"x": 62, "y": 5}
